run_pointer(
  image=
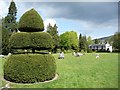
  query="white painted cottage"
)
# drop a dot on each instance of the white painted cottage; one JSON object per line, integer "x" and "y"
{"x": 106, "y": 47}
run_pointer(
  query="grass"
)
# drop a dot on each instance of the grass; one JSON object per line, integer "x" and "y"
{"x": 80, "y": 72}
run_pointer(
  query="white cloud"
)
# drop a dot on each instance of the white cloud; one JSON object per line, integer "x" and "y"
{"x": 47, "y": 21}
{"x": 3, "y": 8}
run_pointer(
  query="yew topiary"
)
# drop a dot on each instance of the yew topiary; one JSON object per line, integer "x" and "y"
{"x": 31, "y": 21}
{"x": 28, "y": 68}
{"x": 35, "y": 40}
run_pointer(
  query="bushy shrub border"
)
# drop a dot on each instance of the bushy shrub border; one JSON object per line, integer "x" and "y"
{"x": 28, "y": 68}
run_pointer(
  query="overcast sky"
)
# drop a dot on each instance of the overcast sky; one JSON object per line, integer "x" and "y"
{"x": 95, "y": 19}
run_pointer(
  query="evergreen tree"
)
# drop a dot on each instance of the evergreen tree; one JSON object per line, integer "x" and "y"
{"x": 5, "y": 39}
{"x": 96, "y": 41}
{"x": 54, "y": 33}
{"x": 10, "y": 19}
{"x": 83, "y": 45}
{"x": 9, "y": 25}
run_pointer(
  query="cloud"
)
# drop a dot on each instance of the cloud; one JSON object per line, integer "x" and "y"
{"x": 95, "y": 12}
{"x": 3, "y": 8}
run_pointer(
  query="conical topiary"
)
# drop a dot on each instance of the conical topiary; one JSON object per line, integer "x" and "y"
{"x": 31, "y": 21}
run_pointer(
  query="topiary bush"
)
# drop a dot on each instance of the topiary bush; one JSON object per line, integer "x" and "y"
{"x": 36, "y": 40}
{"x": 31, "y": 21}
{"x": 41, "y": 40}
{"x": 28, "y": 68}
{"x": 20, "y": 40}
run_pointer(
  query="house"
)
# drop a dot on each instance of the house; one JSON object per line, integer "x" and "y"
{"x": 103, "y": 47}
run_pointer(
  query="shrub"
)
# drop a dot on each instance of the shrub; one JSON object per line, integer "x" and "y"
{"x": 31, "y": 21}
{"x": 20, "y": 40}
{"x": 89, "y": 50}
{"x": 41, "y": 40}
{"x": 36, "y": 40}
{"x": 28, "y": 68}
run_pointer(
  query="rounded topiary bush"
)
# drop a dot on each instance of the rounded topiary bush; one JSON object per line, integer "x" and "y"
{"x": 20, "y": 40}
{"x": 36, "y": 40}
{"x": 41, "y": 40}
{"x": 31, "y": 21}
{"x": 30, "y": 68}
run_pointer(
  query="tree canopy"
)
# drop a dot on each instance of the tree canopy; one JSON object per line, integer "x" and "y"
{"x": 116, "y": 41}
{"x": 69, "y": 40}
{"x": 54, "y": 33}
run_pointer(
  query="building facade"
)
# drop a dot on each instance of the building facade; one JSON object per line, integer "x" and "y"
{"x": 102, "y": 47}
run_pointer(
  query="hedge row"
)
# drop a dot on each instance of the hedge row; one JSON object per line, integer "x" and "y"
{"x": 31, "y": 21}
{"x": 29, "y": 68}
{"x": 36, "y": 40}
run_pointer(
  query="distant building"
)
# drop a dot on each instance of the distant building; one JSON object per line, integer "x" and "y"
{"x": 102, "y": 47}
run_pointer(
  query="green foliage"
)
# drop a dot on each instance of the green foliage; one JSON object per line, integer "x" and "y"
{"x": 96, "y": 41}
{"x": 5, "y": 35}
{"x": 89, "y": 40}
{"x": 9, "y": 25}
{"x": 5, "y": 42}
{"x": 69, "y": 40}
{"x": 116, "y": 41}
{"x": 36, "y": 40}
{"x": 54, "y": 33}
{"x": 83, "y": 44}
{"x": 89, "y": 50}
{"x": 10, "y": 19}
{"x": 28, "y": 68}
{"x": 20, "y": 40}
{"x": 31, "y": 21}
{"x": 41, "y": 40}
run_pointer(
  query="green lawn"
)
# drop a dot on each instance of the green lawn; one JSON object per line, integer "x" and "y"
{"x": 80, "y": 72}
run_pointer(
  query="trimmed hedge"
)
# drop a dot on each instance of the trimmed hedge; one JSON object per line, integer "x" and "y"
{"x": 28, "y": 68}
{"x": 31, "y": 21}
{"x": 36, "y": 40}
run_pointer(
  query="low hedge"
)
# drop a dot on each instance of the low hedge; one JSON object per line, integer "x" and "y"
{"x": 28, "y": 68}
{"x": 31, "y": 21}
{"x": 36, "y": 40}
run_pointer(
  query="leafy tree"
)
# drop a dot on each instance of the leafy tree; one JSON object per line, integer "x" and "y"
{"x": 54, "y": 33}
{"x": 116, "y": 41}
{"x": 89, "y": 40}
{"x": 69, "y": 40}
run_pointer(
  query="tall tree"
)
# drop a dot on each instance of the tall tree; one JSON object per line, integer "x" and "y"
{"x": 83, "y": 45}
{"x": 116, "y": 41}
{"x": 89, "y": 40}
{"x": 69, "y": 40}
{"x": 54, "y": 33}
{"x": 10, "y": 19}
{"x": 9, "y": 25}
